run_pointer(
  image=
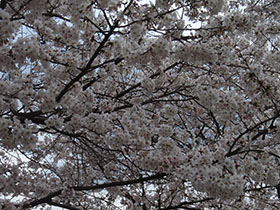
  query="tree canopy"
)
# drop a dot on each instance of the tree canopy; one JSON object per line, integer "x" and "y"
{"x": 130, "y": 104}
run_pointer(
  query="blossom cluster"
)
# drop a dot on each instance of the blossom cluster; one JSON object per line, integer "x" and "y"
{"x": 148, "y": 105}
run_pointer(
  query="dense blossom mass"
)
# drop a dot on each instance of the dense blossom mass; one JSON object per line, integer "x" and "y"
{"x": 130, "y": 104}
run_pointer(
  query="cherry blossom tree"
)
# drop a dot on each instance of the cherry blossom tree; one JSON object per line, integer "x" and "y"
{"x": 130, "y": 104}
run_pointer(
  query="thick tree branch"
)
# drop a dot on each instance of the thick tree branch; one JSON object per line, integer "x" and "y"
{"x": 88, "y": 66}
{"x": 182, "y": 205}
{"x": 36, "y": 117}
{"x": 93, "y": 57}
{"x": 49, "y": 197}
{"x": 116, "y": 61}
{"x": 3, "y": 4}
{"x": 121, "y": 183}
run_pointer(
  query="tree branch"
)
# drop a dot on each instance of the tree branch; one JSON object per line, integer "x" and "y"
{"x": 48, "y": 198}
{"x": 3, "y": 4}
{"x": 87, "y": 67}
{"x": 232, "y": 152}
{"x": 62, "y": 205}
{"x": 124, "y": 92}
{"x": 181, "y": 205}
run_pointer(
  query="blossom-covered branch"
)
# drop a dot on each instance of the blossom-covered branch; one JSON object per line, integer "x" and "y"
{"x": 48, "y": 198}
